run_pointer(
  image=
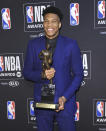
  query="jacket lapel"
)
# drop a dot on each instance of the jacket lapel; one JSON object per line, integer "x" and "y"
{"x": 57, "y": 52}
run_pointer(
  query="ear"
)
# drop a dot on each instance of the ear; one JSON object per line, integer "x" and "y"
{"x": 59, "y": 25}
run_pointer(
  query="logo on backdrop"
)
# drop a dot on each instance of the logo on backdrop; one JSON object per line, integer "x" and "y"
{"x": 12, "y": 83}
{"x": 11, "y": 65}
{"x": 30, "y": 111}
{"x": 99, "y": 111}
{"x": 100, "y": 13}
{"x": 6, "y": 20}
{"x": 11, "y": 110}
{"x": 77, "y": 112}
{"x": 86, "y": 61}
{"x": 74, "y": 14}
{"x": 33, "y": 19}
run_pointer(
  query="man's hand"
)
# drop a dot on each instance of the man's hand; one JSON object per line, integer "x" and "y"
{"x": 62, "y": 101}
{"x": 50, "y": 73}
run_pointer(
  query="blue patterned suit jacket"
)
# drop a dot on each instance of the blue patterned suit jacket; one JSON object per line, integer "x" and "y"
{"x": 67, "y": 63}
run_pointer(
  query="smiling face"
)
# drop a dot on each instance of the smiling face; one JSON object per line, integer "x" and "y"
{"x": 51, "y": 25}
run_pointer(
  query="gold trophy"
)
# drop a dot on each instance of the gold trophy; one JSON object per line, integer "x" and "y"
{"x": 47, "y": 90}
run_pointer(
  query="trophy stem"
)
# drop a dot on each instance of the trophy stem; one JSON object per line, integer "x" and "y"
{"x": 51, "y": 81}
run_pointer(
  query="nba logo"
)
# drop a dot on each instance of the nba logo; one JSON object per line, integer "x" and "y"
{"x": 6, "y": 22}
{"x": 77, "y": 112}
{"x": 29, "y": 14}
{"x": 100, "y": 108}
{"x": 74, "y": 14}
{"x": 101, "y": 9}
{"x": 11, "y": 110}
{"x": 32, "y": 113}
{"x": 1, "y": 64}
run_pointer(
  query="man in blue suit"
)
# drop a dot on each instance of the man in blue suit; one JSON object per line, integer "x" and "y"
{"x": 66, "y": 72}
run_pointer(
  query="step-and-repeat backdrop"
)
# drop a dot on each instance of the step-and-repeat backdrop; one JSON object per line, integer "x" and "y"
{"x": 20, "y": 21}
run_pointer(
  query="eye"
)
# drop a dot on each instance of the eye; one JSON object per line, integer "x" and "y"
{"x": 45, "y": 21}
{"x": 54, "y": 21}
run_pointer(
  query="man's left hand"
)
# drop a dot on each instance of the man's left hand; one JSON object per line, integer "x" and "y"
{"x": 62, "y": 101}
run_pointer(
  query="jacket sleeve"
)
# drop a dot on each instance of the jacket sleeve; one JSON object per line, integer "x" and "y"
{"x": 77, "y": 71}
{"x": 29, "y": 71}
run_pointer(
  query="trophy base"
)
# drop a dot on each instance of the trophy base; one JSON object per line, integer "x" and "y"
{"x": 47, "y": 106}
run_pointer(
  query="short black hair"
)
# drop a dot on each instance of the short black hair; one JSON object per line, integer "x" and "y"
{"x": 53, "y": 10}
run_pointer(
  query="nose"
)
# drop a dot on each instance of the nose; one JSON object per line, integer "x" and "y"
{"x": 49, "y": 23}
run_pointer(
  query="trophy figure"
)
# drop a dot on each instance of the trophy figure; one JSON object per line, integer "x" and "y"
{"x": 47, "y": 90}
{"x": 46, "y": 57}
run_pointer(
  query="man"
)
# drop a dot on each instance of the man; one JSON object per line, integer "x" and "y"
{"x": 66, "y": 72}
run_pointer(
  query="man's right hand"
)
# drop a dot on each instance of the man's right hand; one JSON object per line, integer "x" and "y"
{"x": 50, "y": 73}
